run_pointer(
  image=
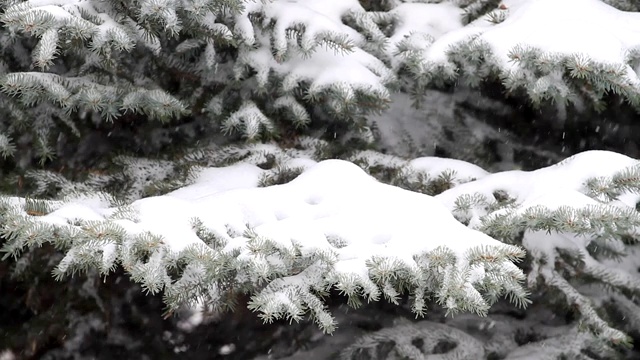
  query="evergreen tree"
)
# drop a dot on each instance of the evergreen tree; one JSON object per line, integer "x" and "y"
{"x": 192, "y": 146}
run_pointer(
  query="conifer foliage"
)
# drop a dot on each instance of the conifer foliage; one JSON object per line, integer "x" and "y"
{"x": 215, "y": 149}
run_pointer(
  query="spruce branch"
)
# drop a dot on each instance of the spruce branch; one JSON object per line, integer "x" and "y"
{"x": 286, "y": 275}
{"x": 567, "y": 245}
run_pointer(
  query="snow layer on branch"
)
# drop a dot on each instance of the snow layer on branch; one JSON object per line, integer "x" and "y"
{"x": 332, "y": 198}
{"x": 316, "y": 15}
{"x": 437, "y": 165}
{"x": 214, "y": 180}
{"x": 430, "y": 20}
{"x": 588, "y": 28}
{"x": 433, "y": 19}
{"x": 560, "y": 184}
{"x": 319, "y": 56}
{"x": 325, "y": 69}
{"x": 552, "y": 188}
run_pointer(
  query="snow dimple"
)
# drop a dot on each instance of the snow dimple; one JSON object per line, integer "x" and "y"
{"x": 381, "y": 238}
{"x": 281, "y": 215}
{"x": 313, "y": 200}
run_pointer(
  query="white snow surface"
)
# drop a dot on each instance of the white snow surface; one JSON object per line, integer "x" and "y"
{"x": 214, "y": 180}
{"x": 588, "y": 27}
{"x": 333, "y": 198}
{"x": 433, "y": 19}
